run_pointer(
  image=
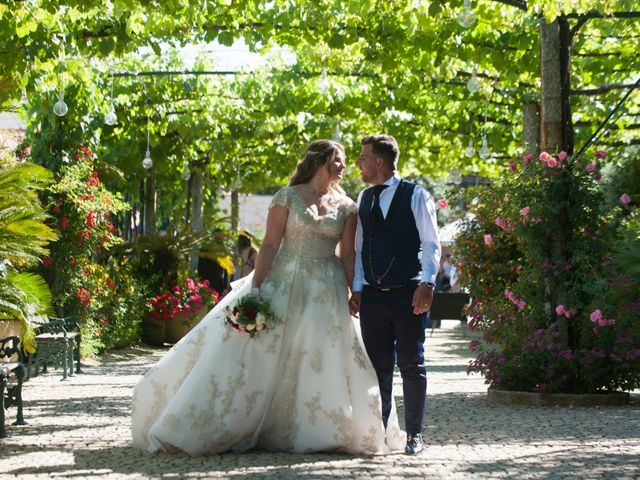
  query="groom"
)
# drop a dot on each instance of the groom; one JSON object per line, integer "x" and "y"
{"x": 397, "y": 258}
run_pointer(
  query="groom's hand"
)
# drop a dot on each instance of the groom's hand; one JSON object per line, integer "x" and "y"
{"x": 422, "y": 299}
{"x": 354, "y": 303}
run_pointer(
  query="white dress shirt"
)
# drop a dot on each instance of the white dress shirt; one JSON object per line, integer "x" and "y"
{"x": 424, "y": 213}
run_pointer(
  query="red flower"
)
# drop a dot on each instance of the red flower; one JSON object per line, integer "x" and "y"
{"x": 56, "y": 209}
{"x": 72, "y": 262}
{"x": 84, "y": 153}
{"x": 91, "y": 220}
{"x": 47, "y": 261}
{"x": 112, "y": 228}
{"x": 93, "y": 180}
{"x": 64, "y": 223}
{"x": 83, "y": 295}
{"x": 110, "y": 283}
{"x": 84, "y": 234}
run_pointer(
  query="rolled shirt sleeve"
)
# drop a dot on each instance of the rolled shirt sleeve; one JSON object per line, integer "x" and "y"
{"x": 358, "y": 277}
{"x": 424, "y": 212}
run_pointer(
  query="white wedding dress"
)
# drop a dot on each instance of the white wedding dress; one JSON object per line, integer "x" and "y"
{"x": 305, "y": 386}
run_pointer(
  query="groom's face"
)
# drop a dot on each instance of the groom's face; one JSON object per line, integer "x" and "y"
{"x": 368, "y": 164}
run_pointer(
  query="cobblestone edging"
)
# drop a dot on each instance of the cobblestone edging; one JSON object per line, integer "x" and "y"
{"x": 558, "y": 399}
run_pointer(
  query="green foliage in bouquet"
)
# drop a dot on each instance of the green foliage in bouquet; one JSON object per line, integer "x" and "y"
{"x": 251, "y": 315}
{"x": 558, "y": 315}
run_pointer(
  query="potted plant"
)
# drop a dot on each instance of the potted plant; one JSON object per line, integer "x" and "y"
{"x": 175, "y": 312}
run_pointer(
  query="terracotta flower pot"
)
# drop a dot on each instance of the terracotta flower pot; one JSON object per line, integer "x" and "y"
{"x": 181, "y": 324}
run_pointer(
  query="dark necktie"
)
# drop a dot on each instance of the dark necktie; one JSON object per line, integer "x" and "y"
{"x": 376, "y": 212}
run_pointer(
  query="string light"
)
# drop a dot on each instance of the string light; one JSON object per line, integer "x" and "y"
{"x": 470, "y": 151}
{"x": 473, "y": 84}
{"x": 147, "y": 163}
{"x": 323, "y": 85}
{"x": 111, "y": 118}
{"x": 60, "y": 108}
{"x": 484, "y": 151}
{"x": 467, "y": 16}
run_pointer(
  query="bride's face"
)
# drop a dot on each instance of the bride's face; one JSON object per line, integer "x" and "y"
{"x": 336, "y": 166}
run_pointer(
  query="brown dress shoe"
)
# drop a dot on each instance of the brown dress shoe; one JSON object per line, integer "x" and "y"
{"x": 414, "y": 444}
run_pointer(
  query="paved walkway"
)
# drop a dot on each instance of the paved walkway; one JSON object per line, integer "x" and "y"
{"x": 80, "y": 429}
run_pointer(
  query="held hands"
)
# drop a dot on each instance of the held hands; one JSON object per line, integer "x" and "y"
{"x": 354, "y": 303}
{"x": 422, "y": 299}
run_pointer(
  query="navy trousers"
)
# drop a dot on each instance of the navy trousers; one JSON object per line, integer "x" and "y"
{"x": 391, "y": 332}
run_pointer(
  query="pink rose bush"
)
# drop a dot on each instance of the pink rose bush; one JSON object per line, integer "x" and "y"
{"x": 539, "y": 260}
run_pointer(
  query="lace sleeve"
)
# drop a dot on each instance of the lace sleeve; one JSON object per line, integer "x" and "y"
{"x": 350, "y": 206}
{"x": 282, "y": 197}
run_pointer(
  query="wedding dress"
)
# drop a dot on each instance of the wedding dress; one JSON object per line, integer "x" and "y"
{"x": 306, "y": 385}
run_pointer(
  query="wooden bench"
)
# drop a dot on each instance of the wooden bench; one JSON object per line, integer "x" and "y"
{"x": 11, "y": 369}
{"x": 448, "y": 306}
{"x": 58, "y": 344}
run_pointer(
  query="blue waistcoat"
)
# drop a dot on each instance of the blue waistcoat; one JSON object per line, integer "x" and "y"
{"x": 390, "y": 252}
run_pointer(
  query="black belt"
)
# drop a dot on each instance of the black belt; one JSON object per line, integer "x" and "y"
{"x": 392, "y": 287}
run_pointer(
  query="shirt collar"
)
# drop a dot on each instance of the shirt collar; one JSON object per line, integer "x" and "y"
{"x": 395, "y": 178}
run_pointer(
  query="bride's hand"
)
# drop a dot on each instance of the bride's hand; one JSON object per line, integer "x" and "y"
{"x": 255, "y": 292}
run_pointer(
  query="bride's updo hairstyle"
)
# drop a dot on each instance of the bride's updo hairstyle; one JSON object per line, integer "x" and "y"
{"x": 318, "y": 153}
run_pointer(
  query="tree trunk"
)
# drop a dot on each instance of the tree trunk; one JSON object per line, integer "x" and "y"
{"x": 196, "y": 183}
{"x": 149, "y": 222}
{"x": 551, "y": 87}
{"x": 555, "y": 136}
{"x": 532, "y": 127}
{"x": 235, "y": 210}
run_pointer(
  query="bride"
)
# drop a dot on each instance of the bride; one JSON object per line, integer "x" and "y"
{"x": 306, "y": 385}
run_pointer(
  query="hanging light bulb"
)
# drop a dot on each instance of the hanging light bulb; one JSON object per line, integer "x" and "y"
{"x": 467, "y": 16}
{"x": 337, "y": 134}
{"x": 186, "y": 173}
{"x": 147, "y": 163}
{"x": 323, "y": 84}
{"x": 111, "y": 118}
{"x": 237, "y": 183}
{"x": 484, "y": 151}
{"x": 470, "y": 151}
{"x": 60, "y": 108}
{"x": 473, "y": 84}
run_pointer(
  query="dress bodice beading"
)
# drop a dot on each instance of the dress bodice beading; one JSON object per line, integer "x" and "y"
{"x": 308, "y": 234}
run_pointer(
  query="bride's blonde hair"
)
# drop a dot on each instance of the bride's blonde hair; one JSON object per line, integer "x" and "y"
{"x": 318, "y": 154}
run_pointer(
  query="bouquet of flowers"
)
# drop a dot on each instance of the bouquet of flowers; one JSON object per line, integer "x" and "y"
{"x": 251, "y": 315}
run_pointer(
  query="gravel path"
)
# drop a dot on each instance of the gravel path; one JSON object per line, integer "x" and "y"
{"x": 79, "y": 429}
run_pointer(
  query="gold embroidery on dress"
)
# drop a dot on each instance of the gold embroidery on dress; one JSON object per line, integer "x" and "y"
{"x": 358, "y": 354}
{"x": 314, "y": 407}
{"x": 250, "y": 400}
{"x": 316, "y": 362}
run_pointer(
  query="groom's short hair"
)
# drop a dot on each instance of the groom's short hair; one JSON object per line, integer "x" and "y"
{"x": 384, "y": 146}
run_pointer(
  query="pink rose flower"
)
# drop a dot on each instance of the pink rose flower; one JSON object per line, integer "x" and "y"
{"x": 625, "y": 199}
{"x": 443, "y": 203}
{"x": 552, "y": 163}
{"x": 596, "y": 315}
{"x": 597, "y": 177}
{"x": 513, "y": 167}
{"x": 562, "y": 156}
{"x": 501, "y": 223}
{"x": 527, "y": 158}
{"x": 560, "y": 310}
{"x": 525, "y": 211}
{"x": 591, "y": 167}
{"x": 601, "y": 154}
{"x": 521, "y": 304}
{"x": 488, "y": 239}
{"x": 544, "y": 157}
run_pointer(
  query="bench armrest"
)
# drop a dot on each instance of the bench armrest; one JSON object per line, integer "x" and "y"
{"x": 9, "y": 347}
